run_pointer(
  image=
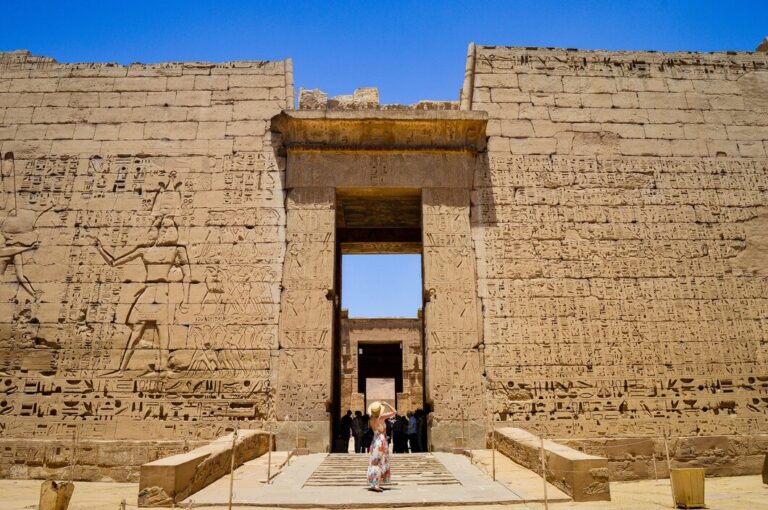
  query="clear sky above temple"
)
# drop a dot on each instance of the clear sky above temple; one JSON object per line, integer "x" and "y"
{"x": 411, "y": 50}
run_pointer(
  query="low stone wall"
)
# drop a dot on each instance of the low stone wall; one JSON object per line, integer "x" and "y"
{"x": 172, "y": 479}
{"x": 632, "y": 458}
{"x": 95, "y": 460}
{"x": 584, "y": 477}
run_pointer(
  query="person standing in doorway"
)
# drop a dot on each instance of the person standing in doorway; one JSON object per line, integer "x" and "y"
{"x": 398, "y": 434}
{"x": 357, "y": 431}
{"x": 421, "y": 429}
{"x": 367, "y": 433}
{"x": 412, "y": 433}
{"x": 345, "y": 427}
{"x": 378, "y": 462}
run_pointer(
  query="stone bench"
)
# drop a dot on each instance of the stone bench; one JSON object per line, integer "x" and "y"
{"x": 172, "y": 479}
{"x": 584, "y": 477}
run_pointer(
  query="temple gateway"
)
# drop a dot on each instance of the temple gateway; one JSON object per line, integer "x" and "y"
{"x": 592, "y": 226}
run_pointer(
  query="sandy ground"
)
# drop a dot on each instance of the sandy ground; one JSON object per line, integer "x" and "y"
{"x": 728, "y": 493}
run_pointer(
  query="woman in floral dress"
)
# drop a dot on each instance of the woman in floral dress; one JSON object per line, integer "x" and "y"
{"x": 378, "y": 464}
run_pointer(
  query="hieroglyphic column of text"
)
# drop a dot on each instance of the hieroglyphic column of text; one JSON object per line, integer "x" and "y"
{"x": 454, "y": 373}
{"x": 306, "y": 316}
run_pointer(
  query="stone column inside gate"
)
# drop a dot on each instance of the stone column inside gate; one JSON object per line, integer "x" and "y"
{"x": 454, "y": 372}
{"x": 330, "y": 152}
{"x": 306, "y": 320}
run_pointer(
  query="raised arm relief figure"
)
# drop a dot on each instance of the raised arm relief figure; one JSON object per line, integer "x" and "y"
{"x": 17, "y": 235}
{"x": 152, "y": 306}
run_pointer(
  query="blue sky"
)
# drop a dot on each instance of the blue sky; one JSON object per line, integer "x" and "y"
{"x": 411, "y": 50}
{"x": 381, "y": 285}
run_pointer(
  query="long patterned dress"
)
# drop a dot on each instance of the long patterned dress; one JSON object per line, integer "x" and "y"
{"x": 378, "y": 464}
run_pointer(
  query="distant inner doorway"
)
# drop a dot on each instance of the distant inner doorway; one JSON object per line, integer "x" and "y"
{"x": 380, "y": 372}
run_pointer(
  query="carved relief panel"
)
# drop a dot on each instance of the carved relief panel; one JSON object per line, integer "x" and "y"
{"x": 454, "y": 370}
{"x": 624, "y": 296}
{"x": 139, "y": 294}
{"x": 306, "y": 317}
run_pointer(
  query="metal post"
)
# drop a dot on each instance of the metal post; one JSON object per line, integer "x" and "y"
{"x": 493, "y": 450}
{"x": 463, "y": 436}
{"x": 655, "y": 471}
{"x": 666, "y": 450}
{"x": 232, "y": 468}
{"x": 297, "y": 431}
{"x": 122, "y": 504}
{"x": 544, "y": 472}
{"x": 74, "y": 456}
{"x": 669, "y": 470}
{"x": 269, "y": 460}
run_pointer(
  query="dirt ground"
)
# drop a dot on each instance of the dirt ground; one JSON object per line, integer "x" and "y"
{"x": 727, "y": 493}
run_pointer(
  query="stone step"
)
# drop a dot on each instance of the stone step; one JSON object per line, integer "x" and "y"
{"x": 344, "y": 469}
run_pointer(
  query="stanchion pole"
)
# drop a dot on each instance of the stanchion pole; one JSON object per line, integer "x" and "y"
{"x": 493, "y": 450}
{"x": 669, "y": 470}
{"x": 297, "y": 430}
{"x": 544, "y": 472}
{"x": 74, "y": 456}
{"x": 269, "y": 460}
{"x": 232, "y": 468}
{"x": 463, "y": 436}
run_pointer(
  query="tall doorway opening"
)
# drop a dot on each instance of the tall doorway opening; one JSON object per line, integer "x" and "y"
{"x": 379, "y": 331}
{"x": 380, "y": 372}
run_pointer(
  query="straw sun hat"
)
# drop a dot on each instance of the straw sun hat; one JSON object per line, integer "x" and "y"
{"x": 374, "y": 409}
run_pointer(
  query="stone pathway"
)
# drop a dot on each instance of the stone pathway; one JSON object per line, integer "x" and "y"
{"x": 350, "y": 470}
{"x": 338, "y": 481}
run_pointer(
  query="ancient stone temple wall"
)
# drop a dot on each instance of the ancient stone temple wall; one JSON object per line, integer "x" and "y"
{"x": 595, "y": 270}
{"x": 358, "y": 331}
{"x": 143, "y": 241}
{"x": 619, "y": 228}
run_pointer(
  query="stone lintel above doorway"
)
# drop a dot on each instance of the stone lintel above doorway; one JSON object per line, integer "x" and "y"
{"x": 374, "y": 130}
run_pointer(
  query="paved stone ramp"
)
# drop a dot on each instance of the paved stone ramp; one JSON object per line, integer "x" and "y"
{"x": 349, "y": 470}
{"x": 330, "y": 481}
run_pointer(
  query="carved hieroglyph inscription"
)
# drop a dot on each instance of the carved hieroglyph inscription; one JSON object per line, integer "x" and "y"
{"x": 306, "y": 318}
{"x": 140, "y": 294}
{"x": 624, "y": 296}
{"x": 454, "y": 372}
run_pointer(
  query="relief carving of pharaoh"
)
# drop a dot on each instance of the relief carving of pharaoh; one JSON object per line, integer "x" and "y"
{"x": 153, "y": 307}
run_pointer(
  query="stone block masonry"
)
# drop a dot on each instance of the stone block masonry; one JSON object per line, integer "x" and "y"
{"x": 619, "y": 235}
{"x": 143, "y": 223}
{"x": 593, "y": 234}
{"x": 583, "y": 477}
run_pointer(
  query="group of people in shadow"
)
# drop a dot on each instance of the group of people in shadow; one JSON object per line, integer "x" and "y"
{"x": 405, "y": 433}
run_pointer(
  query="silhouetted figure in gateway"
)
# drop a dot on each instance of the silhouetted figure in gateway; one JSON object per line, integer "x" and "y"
{"x": 345, "y": 428}
{"x": 367, "y": 434}
{"x": 411, "y": 431}
{"x": 399, "y": 439}
{"x": 357, "y": 431}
